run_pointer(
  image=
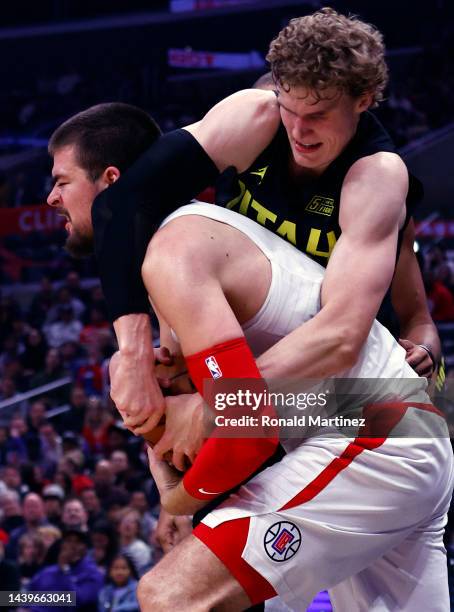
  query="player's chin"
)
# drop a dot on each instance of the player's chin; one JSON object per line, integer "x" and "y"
{"x": 79, "y": 245}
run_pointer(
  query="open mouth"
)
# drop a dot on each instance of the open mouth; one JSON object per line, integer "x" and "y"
{"x": 303, "y": 147}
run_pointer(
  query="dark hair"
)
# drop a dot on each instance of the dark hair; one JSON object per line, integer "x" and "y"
{"x": 110, "y": 134}
{"x": 129, "y": 562}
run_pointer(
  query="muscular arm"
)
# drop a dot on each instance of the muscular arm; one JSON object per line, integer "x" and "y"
{"x": 171, "y": 172}
{"x": 409, "y": 301}
{"x": 175, "y": 168}
{"x": 357, "y": 277}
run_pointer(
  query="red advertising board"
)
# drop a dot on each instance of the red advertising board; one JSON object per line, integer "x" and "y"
{"x": 26, "y": 219}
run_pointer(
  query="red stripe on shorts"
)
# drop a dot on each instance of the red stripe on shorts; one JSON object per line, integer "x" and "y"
{"x": 381, "y": 418}
{"x": 227, "y": 541}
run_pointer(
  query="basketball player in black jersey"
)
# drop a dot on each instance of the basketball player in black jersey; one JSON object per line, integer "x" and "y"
{"x": 312, "y": 165}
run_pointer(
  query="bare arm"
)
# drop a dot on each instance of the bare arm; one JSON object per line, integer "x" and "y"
{"x": 357, "y": 277}
{"x": 233, "y": 133}
{"x": 409, "y": 301}
{"x": 238, "y": 129}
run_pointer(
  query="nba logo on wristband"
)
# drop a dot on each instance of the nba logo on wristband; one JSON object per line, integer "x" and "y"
{"x": 213, "y": 366}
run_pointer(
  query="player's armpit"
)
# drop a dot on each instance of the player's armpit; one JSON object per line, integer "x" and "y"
{"x": 238, "y": 129}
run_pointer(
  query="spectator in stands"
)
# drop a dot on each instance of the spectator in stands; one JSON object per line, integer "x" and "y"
{"x": 73, "y": 356}
{"x": 118, "y": 437}
{"x": 73, "y": 463}
{"x": 30, "y": 557}
{"x": 10, "y": 355}
{"x": 439, "y": 298}
{"x": 37, "y": 415}
{"x": 32, "y": 477}
{"x": 92, "y": 506}
{"x": 104, "y": 479}
{"x": 3, "y": 446}
{"x": 35, "y": 418}
{"x": 96, "y": 425}
{"x": 73, "y": 419}
{"x": 65, "y": 329}
{"x": 65, "y": 300}
{"x": 64, "y": 481}
{"x": 74, "y": 515}
{"x": 119, "y": 594}
{"x": 120, "y": 465}
{"x": 34, "y": 517}
{"x": 105, "y": 543}
{"x": 7, "y": 388}
{"x": 97, "y": 301}
{"x": 50, "y": 535}
{"x": 11, "y": 511}
{"x": 51, "y": 448}
{"x": 74, "y": 571}
{"x": 34, "y": 356}
{"x": 89, "y": 375}
{"x": 91, "y": 333}
{"x": 11, "y": 476}
{"x": 41, "y": 304}
{"x": 130, "y": 542}
{"x": 9, "y": 313}
{"x": 8, "y": 570}
{"x": 17, "y": 448}
{"x": 52, "y": 372}
{"x": 53, "y": 497}
{"x": 72, "y": 283}
{"x": 148, "y": 522}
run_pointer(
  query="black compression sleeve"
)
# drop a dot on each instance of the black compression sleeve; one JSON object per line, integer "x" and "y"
{"x": 171, "y": 172}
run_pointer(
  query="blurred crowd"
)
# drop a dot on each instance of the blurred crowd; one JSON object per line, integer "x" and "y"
{"x": 438, "y": 273}
{"x": 77, "y": 502}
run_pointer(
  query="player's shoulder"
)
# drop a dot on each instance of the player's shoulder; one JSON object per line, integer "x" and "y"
{"x": 238, "y": 128}
{"x": 384, "y": 164}
{"x": 260, "y": 101}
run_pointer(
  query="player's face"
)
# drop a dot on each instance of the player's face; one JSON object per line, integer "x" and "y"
{"x": 73, "y": 194}
{"x": 319, "y": 130}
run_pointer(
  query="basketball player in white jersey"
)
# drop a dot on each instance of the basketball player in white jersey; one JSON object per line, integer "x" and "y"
{"x": 362, "y": 517}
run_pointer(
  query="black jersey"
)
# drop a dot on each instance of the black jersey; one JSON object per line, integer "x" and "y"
{"x": 306, "y": 213}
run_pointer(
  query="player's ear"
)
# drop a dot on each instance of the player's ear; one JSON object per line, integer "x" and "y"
{"x": 364, "y": 102}
{"x": 110, "y": 175}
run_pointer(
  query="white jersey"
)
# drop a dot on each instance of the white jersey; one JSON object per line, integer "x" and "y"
{"x": 361, "y": 517}
{"x": 294, "y": 298}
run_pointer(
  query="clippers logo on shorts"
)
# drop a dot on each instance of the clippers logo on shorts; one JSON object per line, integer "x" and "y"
{"x": 282, "y": 541}
{"x": 213, "y": 366}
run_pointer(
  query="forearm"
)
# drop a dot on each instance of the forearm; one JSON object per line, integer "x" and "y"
{"x": 134, "y": 336}
{"x": 179, "y": 502}
{"x": 317, "y": 349}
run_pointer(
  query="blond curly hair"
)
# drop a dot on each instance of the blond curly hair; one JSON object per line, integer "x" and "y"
{"x": 328, "y": 50}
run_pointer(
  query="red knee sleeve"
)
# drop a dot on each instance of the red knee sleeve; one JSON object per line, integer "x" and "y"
{"x": 224, "y": 462}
